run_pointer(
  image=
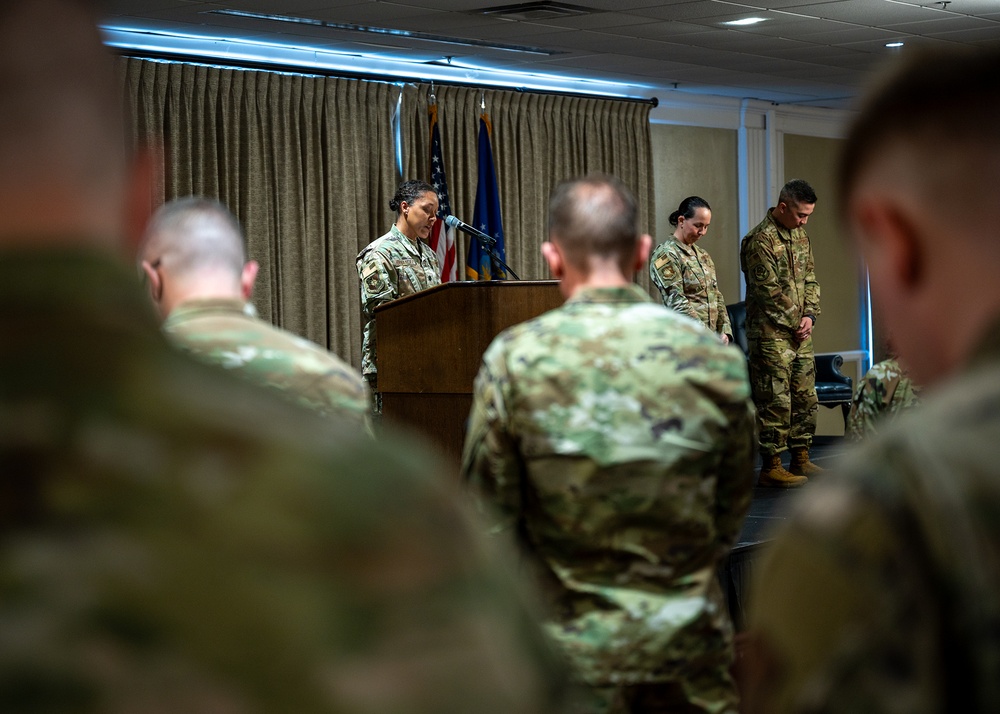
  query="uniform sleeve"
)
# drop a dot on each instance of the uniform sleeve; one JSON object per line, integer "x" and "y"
{"x": 843, "y": 619}
{"x": 766, "y": 284}
{"x": 735, "y": 484}
{"x": 864, "y": 409}
{"x": 725, "y": 327}
{"x": 490, "y": 462}
{"x": 379, "y": 282}
{"x": 665, "y": 272}
{"x": 811, "y": 287}
{"x": 722, "y": 325}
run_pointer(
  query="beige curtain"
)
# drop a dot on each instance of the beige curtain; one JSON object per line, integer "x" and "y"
{"x": 306, "y": 164}
{"x": 538, "y": 140}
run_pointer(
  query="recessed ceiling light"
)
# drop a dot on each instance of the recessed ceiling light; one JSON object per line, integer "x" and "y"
{"x": 746, "y": 21}
{"x": 893, "y": 44}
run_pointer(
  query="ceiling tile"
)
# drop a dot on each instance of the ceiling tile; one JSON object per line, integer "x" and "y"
{"x": 946, "y": 24}
{"x": 809, "y": 51}
{"x": 966, "y": 35}
{"x": 698, "y": 10}
{"x": 869, "y": 12}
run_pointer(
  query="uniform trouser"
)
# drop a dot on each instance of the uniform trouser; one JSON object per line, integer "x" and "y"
{"x": 783, "y": 379}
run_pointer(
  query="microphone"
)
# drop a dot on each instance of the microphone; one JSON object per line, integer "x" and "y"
{"x": 488, "y": 241}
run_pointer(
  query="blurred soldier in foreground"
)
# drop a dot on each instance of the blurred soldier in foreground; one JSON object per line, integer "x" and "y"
{"x": 615, "y": 437}
{"x": 782, "y": 307}
{"x": 883, "y": 592}
{"x": 174, "y": 539}
{"x": 885, "y": 392}
{"x": 195, "y": 262}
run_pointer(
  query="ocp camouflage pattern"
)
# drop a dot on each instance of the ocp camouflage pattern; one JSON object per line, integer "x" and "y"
{"x": 227, "y": 332}
{"x": 175, "y": 540}
{"x": 615, "y": 439}
{"x": 879, "y": 594}
{"x": 885, "y": 392}
{"x": 685, "y": 276}
{"x": 390, "y": 268}
{"x": 780, "y": 277}
{"x": 781, "y": 290}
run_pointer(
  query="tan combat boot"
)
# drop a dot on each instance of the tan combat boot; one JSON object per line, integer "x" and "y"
{"x": 772, "y": 473}
{"x": 801, "y": 465}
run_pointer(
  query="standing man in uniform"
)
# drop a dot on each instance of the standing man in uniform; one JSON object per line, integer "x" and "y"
{"x": 174, "y": 539}
{"x": 194, "y": 258}
{"x": 782, "y": 307}
{"x": 615, "y": 437}
{"x": 882, "y": 592}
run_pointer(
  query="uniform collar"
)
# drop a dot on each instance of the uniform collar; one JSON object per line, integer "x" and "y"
{"x": 412, "y": 245}
{"x": 785, "y": 233}
{"x": 689, "y": 249}
{"x": 216, "y": 305}
{"x": 627, "y": 294}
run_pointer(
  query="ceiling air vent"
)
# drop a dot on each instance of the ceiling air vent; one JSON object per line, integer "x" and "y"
{"x": 544, "y": 10}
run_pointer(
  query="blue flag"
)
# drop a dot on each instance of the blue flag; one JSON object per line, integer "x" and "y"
{"x": 486, "y": 217}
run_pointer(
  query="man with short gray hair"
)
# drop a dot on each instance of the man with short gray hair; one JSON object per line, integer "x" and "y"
{"x": 194, "y": 260}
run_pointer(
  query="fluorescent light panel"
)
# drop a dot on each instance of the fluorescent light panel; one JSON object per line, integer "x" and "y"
{"x": 745, "y": 21}
{"x": 221, "y": 50}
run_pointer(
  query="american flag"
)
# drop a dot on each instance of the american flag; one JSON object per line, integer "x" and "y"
{"x": 442, "y": 240}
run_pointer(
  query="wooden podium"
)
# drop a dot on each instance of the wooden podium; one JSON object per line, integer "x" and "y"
{"x": 430, "y": 346}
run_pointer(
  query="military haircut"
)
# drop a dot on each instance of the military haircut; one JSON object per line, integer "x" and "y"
{"x": 61, "y": 109}
{"x": 193, "y": 233}
{"x": 797, "y": 192}
{"x": 410, "y": 191}
{"x": 942, "y": 103}
{"x": 594, "y": 216}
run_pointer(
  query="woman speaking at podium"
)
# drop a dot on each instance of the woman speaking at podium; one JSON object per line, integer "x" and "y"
{"x": 398, "y": 264}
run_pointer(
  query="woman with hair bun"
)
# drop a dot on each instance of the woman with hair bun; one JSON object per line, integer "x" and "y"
{"x": 685, "y": 272}
{"x": 397, "y": 264}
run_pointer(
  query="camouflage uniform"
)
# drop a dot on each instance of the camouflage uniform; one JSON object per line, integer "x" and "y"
{"x": 685, "y": 277}
{"x": 616, "y": 439}
{"x": 177, "y": 540}
{"x": 390, "y": 268}
{"x": 884, "y": 393}
{"x": 227, "y": 332}
{"x": 781, "y": 290}
{"x": 881, "y": 593}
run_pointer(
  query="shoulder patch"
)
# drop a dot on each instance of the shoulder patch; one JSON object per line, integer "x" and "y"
{"x": 375, "y": 283}
{"x": 372, "y": 278}
{"x": 665, "y": 267}
{"x": 368, "y": 269}
{"x": 760, "y": 273}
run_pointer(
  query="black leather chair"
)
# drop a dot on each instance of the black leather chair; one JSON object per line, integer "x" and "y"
{"x": 833, "y": 388}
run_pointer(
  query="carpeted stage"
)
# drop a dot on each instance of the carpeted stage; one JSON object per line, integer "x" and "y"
{"x": 766, "y": 512}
